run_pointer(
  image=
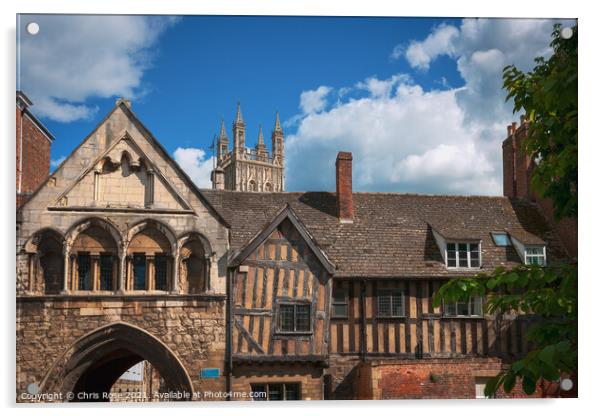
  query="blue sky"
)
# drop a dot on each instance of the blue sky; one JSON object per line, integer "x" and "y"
{"x": 417, "y": 100}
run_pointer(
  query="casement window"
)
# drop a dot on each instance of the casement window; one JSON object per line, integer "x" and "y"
{"x": 276, "y": 391}
{"x": 474, "y": 307}
{"x": 463, "y": 255}
{"x": 160, "y": 272}
{"x": 84, "y": 271}
{"x": 106, "y": 272}
{"x": 294, "y": 317}
{"x": 501, "y": 239}
{"x": 391, "y": 303}
{"x": 535, "y": 255}
{"x": 340, "y": 303}
{"x": 139, "y": 264}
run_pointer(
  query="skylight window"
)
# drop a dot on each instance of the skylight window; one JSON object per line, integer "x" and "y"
{"x": 501, "y": 239}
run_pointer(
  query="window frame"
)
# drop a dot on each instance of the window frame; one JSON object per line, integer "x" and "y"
{"x": 295, "y": 304}
{"x": 136, "y": 256}
{"x": 468, "y": 256}
{"x": 283, "y": 389}
{"x": 162, "y": 258}
{"x": 344, "y": 302}
{"x": 90, "y": 271}
{"x": 505, "y": 234}
{"x": 389, "y": 292}
{"x": 470, "y": 309}
{"x": 110, "y": 257}
{"x": 542, "y": 255}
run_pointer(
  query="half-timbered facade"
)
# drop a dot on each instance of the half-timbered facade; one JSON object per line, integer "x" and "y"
{"x": 389, "y": 253}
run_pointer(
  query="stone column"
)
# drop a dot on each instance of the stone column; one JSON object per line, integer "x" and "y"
{"x": 122, "y": 271}
{"x": 207, "y": 274}
{"x": 95, "y": 272}
{"x": 31, "y": 277}
{"x": 150, "y": 272}
{"x": 175, "y": 271}
{"x": 66, "y": 270}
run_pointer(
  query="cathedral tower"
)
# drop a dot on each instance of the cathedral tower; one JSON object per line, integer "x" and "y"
{"x": 249, "y": 169}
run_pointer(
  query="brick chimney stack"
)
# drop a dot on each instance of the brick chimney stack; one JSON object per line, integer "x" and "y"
{"x": 517, "y": 184}
{"x": 344, "y": 187}
{"x": 516, "y": 164}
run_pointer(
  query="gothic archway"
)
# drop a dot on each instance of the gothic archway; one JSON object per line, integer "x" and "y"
{"x": 90, "y": 367}
{"x": 45, "y": 261}
{"x": 150, "y": 257}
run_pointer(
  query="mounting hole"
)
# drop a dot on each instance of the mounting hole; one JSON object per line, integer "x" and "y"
{"x": 566, "y": 384}
{"x": 566, "y": 33}
{"x": 33, "y": 28}
{"x": 33, "y": 388}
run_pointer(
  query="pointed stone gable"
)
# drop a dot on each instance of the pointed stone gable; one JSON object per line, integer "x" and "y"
{"x": 111, "y": 170}
{"x": 123, "y": 176}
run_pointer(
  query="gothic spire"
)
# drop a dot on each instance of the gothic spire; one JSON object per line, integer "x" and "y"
{"x": 222, "y": 132}
{"x": 239, "y": 115}
{"x": 277, "y": 126}
{"x": 260, "y": 141}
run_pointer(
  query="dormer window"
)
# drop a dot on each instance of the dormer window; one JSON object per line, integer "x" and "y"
{"x": 463, "y": 255}
{"x": 535, "y": 255}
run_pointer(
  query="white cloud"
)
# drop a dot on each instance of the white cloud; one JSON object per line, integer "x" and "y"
{"x": 54, "y": 163}
{"x": 314, "y": 101}
{"x": 439, "y": 42}
{"x": 407, "y": 139}
{"x": 482, "y": 48}
{"x": 77, "y": 57}
{"x": 194, "y": 163}
{"x": 382, "y": 88}
{"x": 403, "y": 140}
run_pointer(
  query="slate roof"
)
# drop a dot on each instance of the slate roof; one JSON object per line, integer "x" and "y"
{"x": 391, "y": 233}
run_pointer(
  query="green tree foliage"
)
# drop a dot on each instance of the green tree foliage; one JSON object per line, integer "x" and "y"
{"x": 548, "y": 95}
{"x": 548, "y": 293}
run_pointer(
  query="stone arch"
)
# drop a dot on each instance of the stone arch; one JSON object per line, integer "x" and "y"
{"x": 150, "y": 250}
{"x": 268, "y": 187}
{"x": 154, "y": 224}
{"x": 252, "y": 186}
{"x": 86, "y": 223}
{"x": 94, "y": 254}
{"x": 95, "y": 361}
{"x": 194, "y": 263}
{"x": 45, "y": 261}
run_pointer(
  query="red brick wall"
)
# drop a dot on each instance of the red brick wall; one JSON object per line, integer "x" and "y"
{"x": 33, "y": 155}
{"x": 517, "y": 178}
{"x": 508, "y": 166}
{"x": 566, "y": 228}
{"x": 441, "y": 379}
{"x": 18, "y": 124}
{"x": 344, "y": 185}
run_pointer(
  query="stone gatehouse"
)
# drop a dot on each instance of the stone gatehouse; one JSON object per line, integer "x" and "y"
{"x": 119, "y": 258}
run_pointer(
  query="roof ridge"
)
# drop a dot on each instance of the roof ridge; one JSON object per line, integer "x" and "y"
{"x": 359, "y": 193}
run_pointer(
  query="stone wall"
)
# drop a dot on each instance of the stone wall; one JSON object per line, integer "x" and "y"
{"x": 192, "y": 327}
{"x": 343, "y": 375}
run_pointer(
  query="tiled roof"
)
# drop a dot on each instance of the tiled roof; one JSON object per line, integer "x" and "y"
{"x": 391, "y": 233}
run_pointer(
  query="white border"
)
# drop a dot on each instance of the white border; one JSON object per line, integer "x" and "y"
{"x": 590, "y": 151}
